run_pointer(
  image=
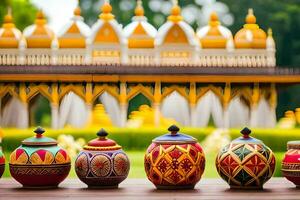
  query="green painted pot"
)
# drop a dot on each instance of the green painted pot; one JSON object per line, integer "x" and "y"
{"x": 39, "y": 162}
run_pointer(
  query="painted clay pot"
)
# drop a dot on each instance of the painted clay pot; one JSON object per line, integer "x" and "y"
{"x": 291, "y": 163}
{"x": 174, "y": 161}
{"x": 2, "y": 163}
{"x": 102, "y": 163}
{"x": 246, "y": 163}
{"x": 39, "y": 162}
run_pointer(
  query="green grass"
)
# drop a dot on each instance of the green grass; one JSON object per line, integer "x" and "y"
{"x": 137, "y": 165}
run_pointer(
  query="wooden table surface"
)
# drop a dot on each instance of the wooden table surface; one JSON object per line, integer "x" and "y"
{"x": 276, "y": 188}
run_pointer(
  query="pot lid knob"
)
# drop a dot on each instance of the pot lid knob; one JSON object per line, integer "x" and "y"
{"x": 102, "y": 134}
{"x": 246, "y": 132}
{"x": 173, "y": 129}
{"x": 39, "y": 132}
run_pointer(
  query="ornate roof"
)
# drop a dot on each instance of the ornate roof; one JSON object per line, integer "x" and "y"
{"x": 10, "y": 36}
{"x": 250, "y": 36}
{"x": 39, "y": 35}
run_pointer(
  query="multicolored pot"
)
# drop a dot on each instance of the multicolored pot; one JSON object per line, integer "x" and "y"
{"x": 102, "y": 163}
{"x": 39, "y": 162}
{"x": 246, "y": 163}
{"x": 2, "y": 163}
{"x": 174, "y": 161}
{"x": 291, "y": 163}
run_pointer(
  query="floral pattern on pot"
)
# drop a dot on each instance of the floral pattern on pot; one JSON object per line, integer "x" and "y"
{"x": 102, "y": 163}
{"x": 246, "y": 162}
{"x": 39, "y": 162}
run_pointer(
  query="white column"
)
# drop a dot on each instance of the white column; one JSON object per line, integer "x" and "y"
{"x": 193, "y": 113}
{"x": 24, "y": 115}
{"x": 253, "y": 116}
{"x": 157, "y": 114}
{"x": 54, "y": 116}
{"x": 226, "y": 117}
{"x": 123, "y": 114}
{"x": 89, "y": 112}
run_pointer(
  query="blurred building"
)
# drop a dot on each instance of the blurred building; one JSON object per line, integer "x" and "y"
{"x": 188, "y": 76}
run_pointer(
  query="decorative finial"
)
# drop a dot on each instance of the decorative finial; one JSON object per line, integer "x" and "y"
{"x": 8, "y": 18}
{"x": 250, "y": 11}
{"x": 102, "y": 133}
{"x": 246, "y": 132}
{"x": 173, "y": 129}
{"x": 250, "y": 19}
{"x": 139, "y": 3}
{"x": 77, "y": 11}
{"x": 214, "y": 19}
{"x": 175, "y": 12}
{"x": 139, "y": 10}
{"x": 9, "y": 10}
{"x": 270, "y": 32}
{"x": 106, "y": 11}
{"x": 39, "y": 132}
{"x": 40, "y": 14}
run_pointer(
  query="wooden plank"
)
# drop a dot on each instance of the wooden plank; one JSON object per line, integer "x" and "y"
{"x": 276, "y": 188}
{"x": 279, "y": 79}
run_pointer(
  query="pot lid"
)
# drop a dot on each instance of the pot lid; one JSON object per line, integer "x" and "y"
{"x": 174, "y": 137}
{"x": 102, "y": 143}
{"x": 246, "y": 138}
{"x": 39, "y": 139}
{"x": 293, "y": 145}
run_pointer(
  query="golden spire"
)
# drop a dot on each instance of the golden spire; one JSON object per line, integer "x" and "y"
{"x": 139, "y": 10}
{"x": 270, "y": 32}
{"x": 8, "y": 19}
{"x": 106, "y": 11}
{"x": 40, "y": 18}
{"x": 77, "y": 11}
{"x": 250, "y": 19}
{"x": 214, "y": 19}
{"x": 175, "y": 12}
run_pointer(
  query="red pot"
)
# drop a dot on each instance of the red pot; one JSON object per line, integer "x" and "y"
{"x": 2, "y": 164}
{"x": 291, "y": 163}
{"x": 39, "y": 162}
{"x": 174, "y": 161}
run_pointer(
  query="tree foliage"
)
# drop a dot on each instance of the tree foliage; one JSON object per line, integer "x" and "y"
{"x": 22, "y": 10}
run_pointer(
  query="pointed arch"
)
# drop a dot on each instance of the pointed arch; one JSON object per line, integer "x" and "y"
{"x": 147, "y": 91}
{"x": 39, "y": 110}
{"x": 42, "y": 89}
{"x": 218, "y": 91}
{"x": 73, "y": 110}
{"x": 110, "y": 89}
{"x": 176, "y": 106}
{"x": 244, "y": 93}
{"x": 77, "y": 89}
{"x": 209, "y": 106}
{"x": 183, "y": 91}
{"x": 8, "y": 88}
